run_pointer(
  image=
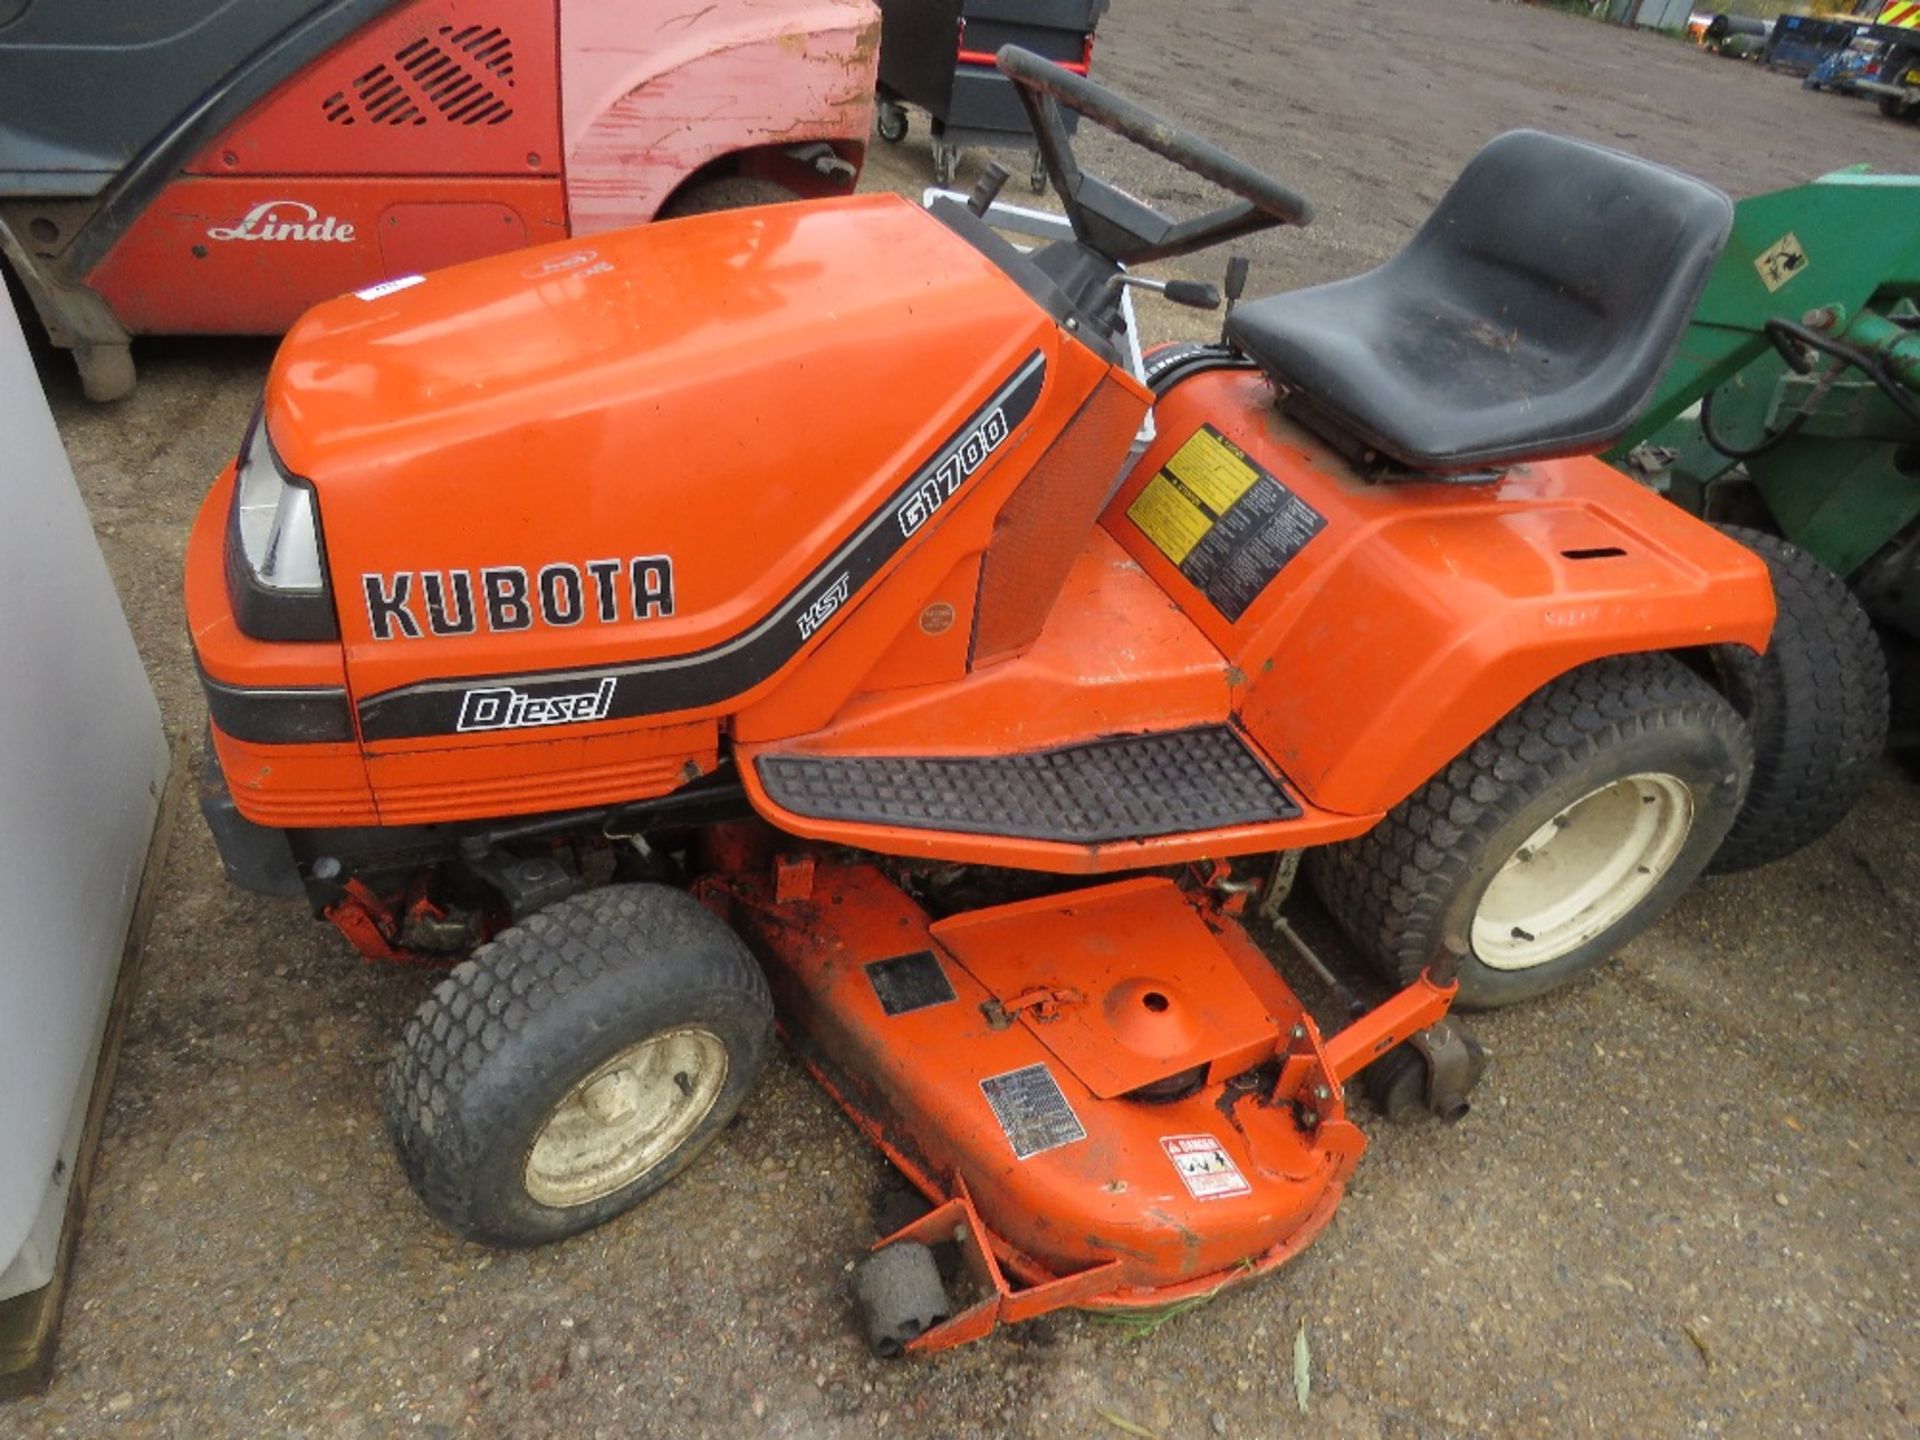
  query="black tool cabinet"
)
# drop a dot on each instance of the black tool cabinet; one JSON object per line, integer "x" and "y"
{"x": 937, "y": 55}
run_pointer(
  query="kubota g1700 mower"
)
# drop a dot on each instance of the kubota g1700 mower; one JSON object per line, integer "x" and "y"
{"x": 218, "y": 166}
{"x": 678, "y": 619}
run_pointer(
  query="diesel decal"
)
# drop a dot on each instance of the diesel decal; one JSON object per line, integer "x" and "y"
{"x": 662, "y": 684}
{"x": 506, "y": 598}
{"x": 502, "y": 707}
{"x": 285, "y": 220}
{"x": 968, "y": 456}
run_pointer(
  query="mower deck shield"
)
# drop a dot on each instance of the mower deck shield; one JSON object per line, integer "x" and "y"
{"x": 994, "y": 1075}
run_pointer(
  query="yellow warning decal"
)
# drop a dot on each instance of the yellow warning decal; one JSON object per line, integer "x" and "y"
{"x": 1193, "y": 490}
{"x": 1780, "y": 261}
{"x": 1168, "y": 516}
{"x": 1213, "y": 468}
{"x": 1227, "y": 523}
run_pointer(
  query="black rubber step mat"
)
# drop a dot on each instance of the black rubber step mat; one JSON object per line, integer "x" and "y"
{"x": 1129, "y": 788}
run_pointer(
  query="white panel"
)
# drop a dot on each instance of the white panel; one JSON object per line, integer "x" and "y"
{"x": 82, "y": 760}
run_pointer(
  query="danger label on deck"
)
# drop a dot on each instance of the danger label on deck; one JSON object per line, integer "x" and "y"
{"x": 1228, "y": 523}
{"x": 1205, "y": 1166}
{"x": 1031, "y": 1110}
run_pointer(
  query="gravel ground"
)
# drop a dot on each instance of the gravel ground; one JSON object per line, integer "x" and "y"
{"x": 1685, "y": 1204}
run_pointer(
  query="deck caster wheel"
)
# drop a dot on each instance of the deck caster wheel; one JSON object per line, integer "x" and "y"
{"x": 577, "y": 1063}
{"x": 1037, "y": 175}
{"x": 899, "y": 1296}
{"x": 1397, "y": 1085}
{"x": 946, "y": 162}
{"x": 1430, "y": 1075}
{"x": 891, "y": 121}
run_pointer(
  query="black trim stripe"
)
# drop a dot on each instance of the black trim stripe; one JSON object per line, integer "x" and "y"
{"x": 704, "y": 677}
{"x": 293, "y": 716}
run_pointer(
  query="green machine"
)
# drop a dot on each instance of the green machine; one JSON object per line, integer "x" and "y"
{"x": 1792, "y": 414}
{"x": 1804, "y": 358}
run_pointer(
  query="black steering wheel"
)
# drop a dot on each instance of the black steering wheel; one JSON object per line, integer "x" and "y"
{"x": 1108, "y": 219}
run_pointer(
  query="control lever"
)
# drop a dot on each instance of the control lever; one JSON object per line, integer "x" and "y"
{"x": 987, "y": 188}
{"x": 1195, "y": 294}
{"x": 1236, "y": 282}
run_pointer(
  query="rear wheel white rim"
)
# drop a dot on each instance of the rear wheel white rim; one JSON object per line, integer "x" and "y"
{"x": 1583, "y": 871}
{"x": 626, "y": 1117}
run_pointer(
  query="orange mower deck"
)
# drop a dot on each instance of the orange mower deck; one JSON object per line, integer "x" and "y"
{"x": 1000, "y": 1058}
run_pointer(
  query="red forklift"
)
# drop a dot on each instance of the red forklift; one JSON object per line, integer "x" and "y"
{"x": 259, "y": 156}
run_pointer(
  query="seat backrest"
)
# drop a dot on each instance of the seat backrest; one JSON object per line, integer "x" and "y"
{"x": 1585, "y": 255}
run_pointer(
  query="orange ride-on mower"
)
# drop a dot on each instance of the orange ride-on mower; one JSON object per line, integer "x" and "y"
{"x": 714, "y": 626}
{"x": 218, "y": 166}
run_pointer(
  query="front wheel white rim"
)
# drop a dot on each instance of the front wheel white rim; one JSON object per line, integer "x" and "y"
{"x": 626, "y": 1117}
{"x": 1583, "y": 871}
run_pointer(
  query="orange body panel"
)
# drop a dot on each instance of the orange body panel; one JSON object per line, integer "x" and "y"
{"x": 1422, "y": 613}
{"x": 818, "y": 695}
{"x": 290, "y": 786}
{"x": 667, "y": 487}
{"x": 1119, "y": 1017}
{"x": 691, "y": 391}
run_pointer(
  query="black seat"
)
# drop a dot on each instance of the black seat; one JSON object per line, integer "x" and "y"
{"x": 1531, "y": 316}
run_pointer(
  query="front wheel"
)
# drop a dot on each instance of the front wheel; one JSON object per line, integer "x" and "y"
{"x": 1554, "y": 839}
{"x": 576, "y": 1064}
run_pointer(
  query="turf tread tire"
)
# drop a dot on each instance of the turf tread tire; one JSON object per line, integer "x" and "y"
{"x": 1817, "y": 704}
{"x": 725, "y": 192}
{"x": 1395, "y": 889}
{"x": 447, "y": 1087}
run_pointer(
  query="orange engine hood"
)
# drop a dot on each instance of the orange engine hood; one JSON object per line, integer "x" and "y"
{"x": 733, "y": 395}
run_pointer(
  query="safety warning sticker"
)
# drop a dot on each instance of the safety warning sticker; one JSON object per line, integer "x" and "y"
{"x": 1206, "y": 1167}
{"x": 1780, "y": 261}
{"x": 1030, "y": 1108}
{"x": 1228, "y": 523}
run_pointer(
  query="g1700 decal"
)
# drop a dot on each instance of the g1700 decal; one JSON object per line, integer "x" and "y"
{"x": 506, "y": 599}
{"x": 668, "y": 683}
{"x": 968, "y": 456}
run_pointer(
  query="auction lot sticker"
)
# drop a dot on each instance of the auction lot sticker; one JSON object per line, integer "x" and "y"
{"x": 1206, "y": 1167}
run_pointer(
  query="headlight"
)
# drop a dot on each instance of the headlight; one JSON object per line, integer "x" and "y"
{"x": 276, "y": 570}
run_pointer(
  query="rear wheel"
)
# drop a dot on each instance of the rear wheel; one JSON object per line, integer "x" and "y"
{"x": 1551, "y": 841}
{"x": 1816, "y": 703}
{"x": 725, "y": 192}
{"x": 576, "y": 1064}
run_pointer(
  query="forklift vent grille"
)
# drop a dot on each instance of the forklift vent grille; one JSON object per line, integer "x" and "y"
{"x": 459, "y": 74}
